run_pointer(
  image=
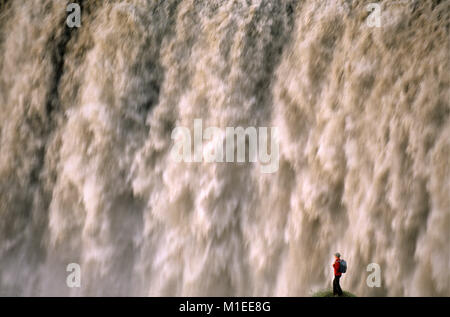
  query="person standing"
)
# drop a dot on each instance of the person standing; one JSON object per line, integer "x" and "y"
{"x": 337, "y": 275}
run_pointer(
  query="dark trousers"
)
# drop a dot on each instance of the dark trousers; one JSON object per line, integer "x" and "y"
{"x": 336, "y": 287}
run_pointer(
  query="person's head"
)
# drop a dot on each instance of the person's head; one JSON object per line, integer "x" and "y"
{"x": 337, "y": 255}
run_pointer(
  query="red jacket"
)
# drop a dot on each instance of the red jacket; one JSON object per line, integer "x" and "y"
{"x": 336, "y": 268}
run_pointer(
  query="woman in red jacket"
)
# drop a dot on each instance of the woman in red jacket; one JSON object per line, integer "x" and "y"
{"x": 337, "y": 275}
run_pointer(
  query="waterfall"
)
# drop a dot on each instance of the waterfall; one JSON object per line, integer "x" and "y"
{"x": 86, "y": 174}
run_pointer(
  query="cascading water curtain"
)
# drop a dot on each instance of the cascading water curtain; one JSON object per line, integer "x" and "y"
{"x": 359, "y": 98}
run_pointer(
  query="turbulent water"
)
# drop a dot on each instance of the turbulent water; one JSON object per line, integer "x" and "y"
{"x": 85, "y": 139}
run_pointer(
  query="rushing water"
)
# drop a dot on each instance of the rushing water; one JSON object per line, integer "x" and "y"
{"x": 85, "y": 130}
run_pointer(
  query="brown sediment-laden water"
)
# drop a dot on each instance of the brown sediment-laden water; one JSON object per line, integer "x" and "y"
{"x": 85, "y": 139}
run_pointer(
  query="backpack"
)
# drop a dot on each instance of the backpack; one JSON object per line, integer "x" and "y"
{"x": 342, "y": 266}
